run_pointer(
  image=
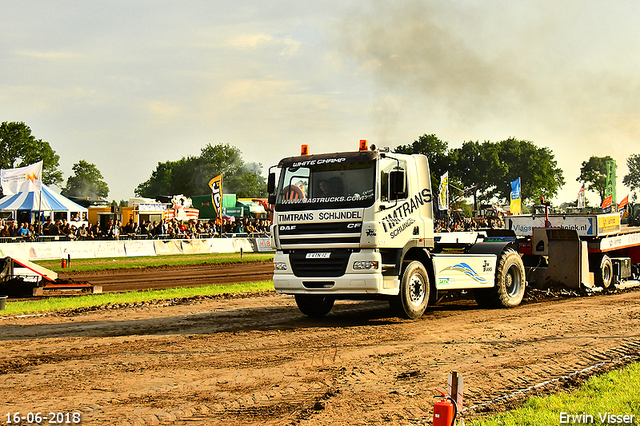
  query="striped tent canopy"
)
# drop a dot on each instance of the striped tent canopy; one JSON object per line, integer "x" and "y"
{"x": 51, "y": 201}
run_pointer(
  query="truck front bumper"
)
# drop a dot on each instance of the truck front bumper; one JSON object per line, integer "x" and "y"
{"x": 352, "y": 282}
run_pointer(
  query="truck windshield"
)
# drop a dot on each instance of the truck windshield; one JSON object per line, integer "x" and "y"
{"x": 344, "y": 184}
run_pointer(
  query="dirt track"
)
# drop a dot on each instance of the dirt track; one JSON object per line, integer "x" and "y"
{"x": 257, "y": 360}
{"x": 160, "y": 278}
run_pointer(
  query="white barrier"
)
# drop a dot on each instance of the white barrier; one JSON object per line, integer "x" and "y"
{"x": 221, "y": 245}
{"x": 17, "y": 250}
{"x": 110, "y": 249}
{"x": 139, "y": 248}
{"x": 77, "y": 249}
{"x": 242, "y": 244}
{"x": 103, "y": 248}
{"x": 195, "y": 246}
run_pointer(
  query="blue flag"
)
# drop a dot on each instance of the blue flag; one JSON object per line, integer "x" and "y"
{"x": 516, "y": 203}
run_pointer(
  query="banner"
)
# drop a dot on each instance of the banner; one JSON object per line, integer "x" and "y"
{"x": 610, "y": 188}
{"x": 623, "y": 203}
{"x": 443, "y": 190}
{"x": 581, "y": 198}
{"x": 22, "y": 179}
{"x": 516, "y": 199}
{"x": 606, "y": 203}
{"x": 216, "y": 194}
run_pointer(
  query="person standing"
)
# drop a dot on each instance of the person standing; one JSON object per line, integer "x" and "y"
{"x": 24, "y": 232}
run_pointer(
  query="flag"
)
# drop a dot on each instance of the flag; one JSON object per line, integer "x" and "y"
{"x": 443, "y": 190}
{"x": 216, "y": 194}
{"x": 581, "y": 198}
{"x": 516, "y": 200}
{"x": 610, "y": 188}
{"x": 623, "y": 203}
{"x": 22, "y": 179}
{"x": 606, "y": 204}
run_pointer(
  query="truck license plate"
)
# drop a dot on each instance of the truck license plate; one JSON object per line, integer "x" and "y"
{"x": 318, "y": 255}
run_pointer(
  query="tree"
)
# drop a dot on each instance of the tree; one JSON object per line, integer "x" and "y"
{"x": 487, "y": 169}
{"x": 476, "y": 163}
{"x": 19, "y": 148}
{"x": 593, "y": 174}
{"x": 437, "y": 153}
{"x": 85, "y": 182}
{"x": 632, "y": 180}
{"x": 191, "y": 175}
{"x": 537, "y": 168}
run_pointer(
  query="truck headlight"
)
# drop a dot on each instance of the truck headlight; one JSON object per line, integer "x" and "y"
{"x": 280, "y": 266}
{"x": 365, "y": 265}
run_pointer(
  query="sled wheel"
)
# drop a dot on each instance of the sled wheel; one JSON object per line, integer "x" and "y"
{"x": 412, "y": 300}
{"x": 604, "y": 275}
{"x": 314, "y": 306}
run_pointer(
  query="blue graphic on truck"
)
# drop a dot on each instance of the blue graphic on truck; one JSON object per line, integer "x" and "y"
{"x": 467, "y": 270}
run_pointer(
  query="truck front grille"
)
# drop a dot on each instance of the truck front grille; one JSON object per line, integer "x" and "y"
{"x": 331, "y": 234}
{"x": 332, "y": 265}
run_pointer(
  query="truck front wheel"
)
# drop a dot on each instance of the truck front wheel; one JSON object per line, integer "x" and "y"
{"x": 314, "y": 306}
{"x": 414, "y": 292}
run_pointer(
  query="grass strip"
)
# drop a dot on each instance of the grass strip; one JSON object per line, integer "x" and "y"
{"x": 102, "y": 264}
{"x": 54, "y": 304}
{"x": 601, "y": 400}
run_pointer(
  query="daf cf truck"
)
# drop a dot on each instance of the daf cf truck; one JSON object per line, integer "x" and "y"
{"x": 360, "y": 225}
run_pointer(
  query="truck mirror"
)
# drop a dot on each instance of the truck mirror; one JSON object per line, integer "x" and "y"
{"x": 397, "y": 184}
{"x": 271, "y": 199}
{"x": 271, "y": 183}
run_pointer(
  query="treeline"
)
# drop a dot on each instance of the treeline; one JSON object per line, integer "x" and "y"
{"x": 481, "y": 170}
{"x": 484, "y": 170}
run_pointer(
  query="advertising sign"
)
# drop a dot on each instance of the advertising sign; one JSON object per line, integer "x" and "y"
{"x": 585, "y": 225}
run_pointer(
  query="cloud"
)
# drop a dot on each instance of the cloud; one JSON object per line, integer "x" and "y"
{"x": 250, "y": 41}
{"x": 288, "y": 45}
{"x": 164, "y": 110}
{"x": 254, "y": 90}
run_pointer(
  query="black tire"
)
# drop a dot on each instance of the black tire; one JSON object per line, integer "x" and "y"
{"x": 510, "y": 283}
{"x": 314, "y": 306}
{"x": 604, "y": 275}
{"x": 412, "y": 300}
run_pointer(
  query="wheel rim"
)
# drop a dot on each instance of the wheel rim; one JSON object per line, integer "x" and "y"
{"x": 416, "y": 290}
{"x": 513, "y": 281}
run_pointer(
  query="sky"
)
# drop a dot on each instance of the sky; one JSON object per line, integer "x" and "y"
{"x": 127, "y": 84}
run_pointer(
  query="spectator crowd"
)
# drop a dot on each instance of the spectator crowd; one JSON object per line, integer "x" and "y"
{"x": 12, "y": 231}
{"x": 459, "y": 224}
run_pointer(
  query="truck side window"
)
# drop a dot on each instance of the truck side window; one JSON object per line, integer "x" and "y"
{"x": 385, "y": 189}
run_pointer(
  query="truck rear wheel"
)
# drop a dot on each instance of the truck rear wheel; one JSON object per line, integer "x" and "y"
{"x": 414, "y": 292}
{"x": 314, "y": 306}
{"x": 509, "y": 287}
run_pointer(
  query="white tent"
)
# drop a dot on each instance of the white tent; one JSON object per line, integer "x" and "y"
{"x": 50, "y": 202}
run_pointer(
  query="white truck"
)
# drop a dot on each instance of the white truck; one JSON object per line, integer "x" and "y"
{"x": 359, "y": 225}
